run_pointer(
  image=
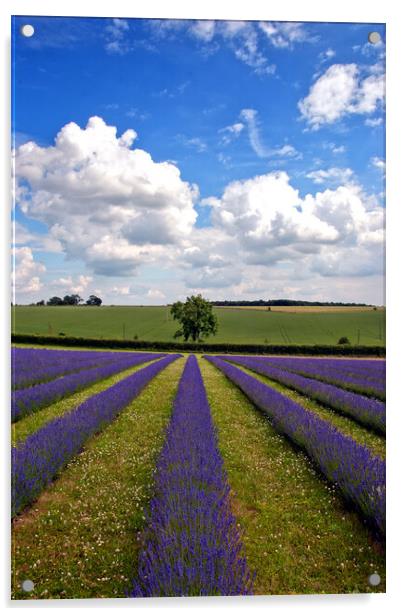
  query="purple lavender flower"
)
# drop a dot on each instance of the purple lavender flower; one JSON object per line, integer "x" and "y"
{"x": 31, "y": 366}
{"x": 31, "y": 399}
{"x": 192, "y": 544}
{"x": 360, "y": 376}
{"x": 367, "y": 411}
{"x": 359, "y": 475}
{"x": 37, "y": 461}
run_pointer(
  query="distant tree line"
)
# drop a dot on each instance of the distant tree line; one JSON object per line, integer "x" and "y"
{"x": 70, "y": 300}
{"x": 281, "y": 302}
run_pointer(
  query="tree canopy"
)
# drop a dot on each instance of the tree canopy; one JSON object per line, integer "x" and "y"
{"x": 55, "y": 301}
{"x": 195, "y": 317}
{"x": 93, "y": 300}
{"x": 71, "y": 300}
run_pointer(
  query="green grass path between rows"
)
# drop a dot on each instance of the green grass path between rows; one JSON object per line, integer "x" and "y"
{"x": 298, "y": 535}
{"x": 80, "y": 539}
{"x": 21, "y": 429}
{"x": 361, "y": 434}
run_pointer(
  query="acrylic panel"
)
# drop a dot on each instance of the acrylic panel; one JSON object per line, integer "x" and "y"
{"x": 198, "y": 310}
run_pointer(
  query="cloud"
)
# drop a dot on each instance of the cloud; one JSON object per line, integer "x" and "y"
{"x": 247, "y": 50}
{"x": 371, "y": 50}
{"x": 95, "y": 193}
{"x": 203, "y": 30}
{"x": 334, "y": 175}
{"x": 266, "y": 238}
{"x": 121, "y": 290}
{"x": 266, "y": 211}
{"x": 286, "y": 151}
{"x": 284, "y": 35}
{"x": 373, "y": 122}
{"x": 378, "y": 163}
{"x": 350, "y": 262}
{"x": 250, "y": 119}
{"x": 36, "y": 241}
{"x": 167, "y": 28}
{"x": 241, "y": 37}
{"x": 133, "y": 112}
{"x": 68, "y": 284}
{"x": 116, "y": 40}
{"x": 113, "y": 210}
{"x": 231, "y": 132}
{"x": 193, "y": 142}
{"x": 326, "y": 55}
{"x": 269, "y": 223}
{"x": 26, "y": 272}
{"x": 173, "y": 92}
{"x": 341, "y": 91}
{"x": 155, "y": 294}
{"x": 338, "y": 149}
{"x": 224, "y": 159}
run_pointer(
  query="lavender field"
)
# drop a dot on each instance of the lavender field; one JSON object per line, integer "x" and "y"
{"x": 146, "y": 474}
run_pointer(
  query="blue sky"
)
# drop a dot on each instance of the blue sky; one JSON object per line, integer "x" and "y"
{"x": 157, "y": 158}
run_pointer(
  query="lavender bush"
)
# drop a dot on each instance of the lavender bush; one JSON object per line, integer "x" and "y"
{"x": 31, "y": 366}
{"x": 359, "y": 475}
{"x": 26, "y": 401}
{"x": 36, "y": 461}
{"x": 367, "y": 411}
{"x": 361, "y": 376}
{"x": 192, "y": 544}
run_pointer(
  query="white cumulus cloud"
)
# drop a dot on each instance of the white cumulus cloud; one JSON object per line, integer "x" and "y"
{"x": 340, "y": 91}
{"x": 97, "y": 195}
{"x": 26, "y": 271}
{"x": 68, "y": 285}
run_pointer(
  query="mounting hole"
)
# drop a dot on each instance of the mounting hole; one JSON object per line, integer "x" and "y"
{"x": 374, "y": 38}
{"x": 27, "y": 30}
{"x": 27, "y": 585}
{"x": 374, "y": 579}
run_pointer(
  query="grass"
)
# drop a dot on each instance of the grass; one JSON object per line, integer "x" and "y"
{"x": 236, "y": 325}
{"x": 298, "y": 534}
{"x": 305, "y": 309}
{"x": 30, "y": 423}
{"x": 81, "y": 538}
{"x": 360, "y": 433}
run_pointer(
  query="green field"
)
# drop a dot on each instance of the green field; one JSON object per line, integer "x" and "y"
{"x": 154, "y": 323}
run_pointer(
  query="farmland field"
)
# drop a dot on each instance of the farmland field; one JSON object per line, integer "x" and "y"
{"x": 236, "y": 324}
{"x": 172, "y": 475}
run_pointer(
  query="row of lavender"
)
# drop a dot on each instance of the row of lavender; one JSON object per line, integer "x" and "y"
{"x": 192, "y": 546}
{"x": 31, "y": 366}
{"x": 31, "y": 399}
{"x": 368, "y": 411}
{"x": 362, "y": 376}
{"x": 36, "y": 461}
{"x": 352, "y": 467}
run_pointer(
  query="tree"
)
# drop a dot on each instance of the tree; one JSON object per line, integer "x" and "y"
{"x": 41, "y": 302}
{"x": 196, "y": 318}
{"x": 55, "y": 301}
{"x": 93, "y": 300}
{"x": 72, "y": 300}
